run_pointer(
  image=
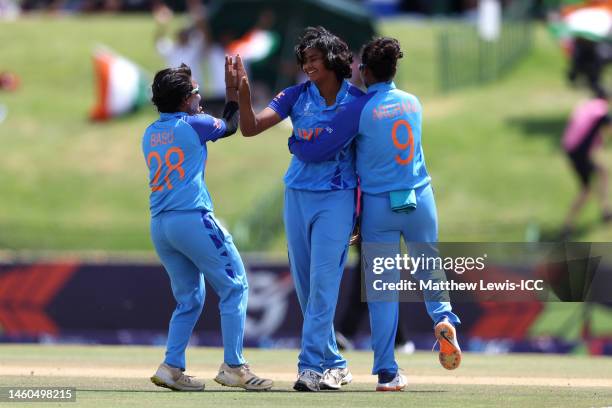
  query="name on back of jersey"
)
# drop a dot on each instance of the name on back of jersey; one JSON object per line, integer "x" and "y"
{"x": 162, "y": 138}
{"x": 392, "y": 110}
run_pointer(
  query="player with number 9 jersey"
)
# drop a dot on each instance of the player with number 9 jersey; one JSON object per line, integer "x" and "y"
{"x": 398, "y": 199}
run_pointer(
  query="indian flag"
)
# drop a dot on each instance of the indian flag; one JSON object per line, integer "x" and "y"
{"x": 122, "y": 86}
{"x": 592, "y": 23}
{"x": 256, "y": 45}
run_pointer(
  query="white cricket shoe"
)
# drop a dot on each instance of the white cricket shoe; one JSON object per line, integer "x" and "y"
{"x": 242, "y": 377}
{"x": 308, "y": 380}
{"x": 334, "y": 378}
{"x": 174, "y": 379}
{"x": 397, "y": 384}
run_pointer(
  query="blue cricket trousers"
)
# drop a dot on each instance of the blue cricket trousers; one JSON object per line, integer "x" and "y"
{"x": 381, "y": 225}
{"x": 192, "y": 247}
{"x": 318, "y": 226}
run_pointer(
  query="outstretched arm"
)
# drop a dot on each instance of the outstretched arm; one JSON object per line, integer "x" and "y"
{"x": 340, "y": 132}
{"x": 251, "y": 124}
{"x": 209, "y": 128}
{"x": 162, "y": 15}
{"x": 231, "y": 111}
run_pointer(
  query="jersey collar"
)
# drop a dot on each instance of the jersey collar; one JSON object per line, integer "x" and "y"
{"x": 320, "y": 101}
{"x": 168, "y": 116}
{"x": 381, "y": 87}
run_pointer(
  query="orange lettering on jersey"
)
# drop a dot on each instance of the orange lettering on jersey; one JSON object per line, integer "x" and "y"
{"x": 162, "y": 138}
{"x": 403, "y": 146}
{"x": 305, "y": 134}
{"x": 174, "y": 166}
{"x": 154, "y": 184}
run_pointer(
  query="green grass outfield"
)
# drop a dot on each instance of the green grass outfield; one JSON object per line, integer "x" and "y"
{"x": 118, "y": 377}
{"x": 68, "y": 184}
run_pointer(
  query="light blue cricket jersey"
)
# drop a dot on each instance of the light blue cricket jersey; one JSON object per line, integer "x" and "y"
{"x": 174, "y": 148}
{"x": 386, "y": 123}
{"x": 309, "y": 116}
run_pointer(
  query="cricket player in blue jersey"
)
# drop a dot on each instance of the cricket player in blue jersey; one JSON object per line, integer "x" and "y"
{"x": 189, "y": 241}
{"x": 398, "y": 198}
{"x": 319, "y": 199}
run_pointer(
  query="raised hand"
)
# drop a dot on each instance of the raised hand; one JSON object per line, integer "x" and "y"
{"x": 239, "y": 66}
{"x": 232, "y": 79}
{"x": 162, "y": 14}
{"x": 244, "y": 89}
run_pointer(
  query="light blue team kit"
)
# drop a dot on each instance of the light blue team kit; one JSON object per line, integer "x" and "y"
{"x": 319, "y": 218}
{"x": 397, "y": 196}
{"x": 190, "y": 242}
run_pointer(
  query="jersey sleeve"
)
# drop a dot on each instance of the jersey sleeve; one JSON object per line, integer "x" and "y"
{"x": 340, "y": 132}
{"x": 284, "y": 101}
{"x": 207, "y": 127}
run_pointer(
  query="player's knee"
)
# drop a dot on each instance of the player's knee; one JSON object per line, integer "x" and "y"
{"x": 234, "y": 291}
{"x": 190, "y": 305}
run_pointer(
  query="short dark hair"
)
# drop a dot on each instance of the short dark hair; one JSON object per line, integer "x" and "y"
{"x": 336, "y": 54}
{"x": 170, "y": 88}
{"x": 380, "y": 55}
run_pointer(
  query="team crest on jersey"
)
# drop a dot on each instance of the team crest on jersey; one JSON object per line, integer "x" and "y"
{"x": 216, "y": 123}
{"x": 306, "y": 111}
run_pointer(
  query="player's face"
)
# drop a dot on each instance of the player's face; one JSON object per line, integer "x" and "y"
{"x": 314, "y": 65}
{"x": 192, "y": 103}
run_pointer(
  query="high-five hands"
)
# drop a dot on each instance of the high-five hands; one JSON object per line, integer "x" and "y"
{"x": 244, "y": 89}
{"x": 231, "y": 75}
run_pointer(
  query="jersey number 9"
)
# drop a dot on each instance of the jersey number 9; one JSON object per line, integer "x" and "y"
{"x": 403, "y": 146}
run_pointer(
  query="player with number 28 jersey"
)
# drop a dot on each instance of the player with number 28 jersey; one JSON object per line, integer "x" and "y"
{"x": 188, "y": 239}
{"x": 175, "y": 149}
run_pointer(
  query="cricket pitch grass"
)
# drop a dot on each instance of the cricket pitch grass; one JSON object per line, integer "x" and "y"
{"x": 118, "y": 376}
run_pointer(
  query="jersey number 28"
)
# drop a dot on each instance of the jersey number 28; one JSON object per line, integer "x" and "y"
{"x": 155, "y": 185}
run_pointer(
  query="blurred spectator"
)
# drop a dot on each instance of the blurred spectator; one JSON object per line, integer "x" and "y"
{"x": 9, "y": 10}
{"x": 257, "y": 47}
{"x": 588, "y": 60}
{"x": 581, "y": 139}
{"x": 187, "y": 47}
{"x": 9, "y": 81}
{"x": 192, "y": 45}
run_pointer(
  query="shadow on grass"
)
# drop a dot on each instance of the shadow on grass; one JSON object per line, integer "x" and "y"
{"x": 549, "y": 127}
{"x": 553, "y": 234}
